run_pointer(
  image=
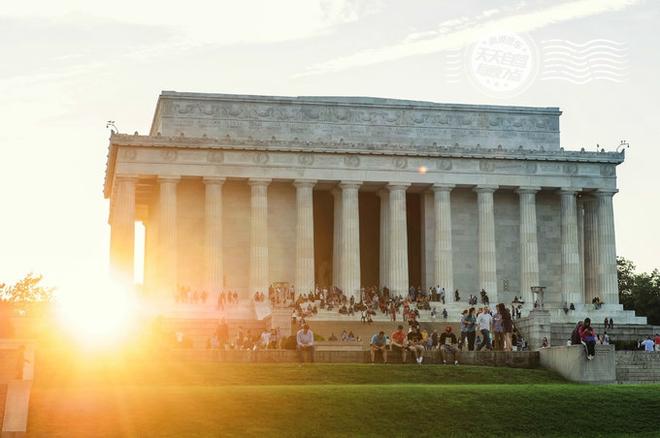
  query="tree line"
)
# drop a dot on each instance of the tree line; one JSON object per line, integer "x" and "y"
{"x": 639, "y": 291}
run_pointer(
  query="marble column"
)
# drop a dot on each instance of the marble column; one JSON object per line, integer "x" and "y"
{"x": 487, "y": 250}
{"x": 213, "y": 231}
{"x": 349, "y": 280}
{"x": 427, "y": 240}
{"x": 570, "y": 259}
{"x": 122, "y": 228}
{"x": 580, "y": 223}
{"x": 304, "y": 235}
{"x": 384, "y": 247}
{"x": 590, "y": 249}
{"x": 529, "y": 249}
{"x": 336, "y": 237}
{"x": 398, "y": 239}
{"x": 167, "y": 235}
{"x": 607, "y": 274}
{"x": 443, "y": 251}
{"x": 258, "y": 235}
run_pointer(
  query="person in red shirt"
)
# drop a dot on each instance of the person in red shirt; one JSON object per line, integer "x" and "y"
{"x": 398, "y": 343}
{"x": 657, "y": 342}
{"x": 588, "y": 337}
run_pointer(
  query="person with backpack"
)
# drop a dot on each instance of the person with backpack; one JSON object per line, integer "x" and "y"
{"x": 575, "y": 335}
{"x": 588, "y": 337}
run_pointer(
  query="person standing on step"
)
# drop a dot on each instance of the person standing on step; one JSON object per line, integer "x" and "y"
{"x": 507, "y": 326}
{"x": 498, "y": 330}
{"x": 470, "y": 324}
{"x": 484, "y": 320}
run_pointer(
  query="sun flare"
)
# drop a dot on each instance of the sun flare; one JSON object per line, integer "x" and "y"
{"x": 99, "y": 313}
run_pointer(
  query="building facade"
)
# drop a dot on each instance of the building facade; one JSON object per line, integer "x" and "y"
{"x": 237, "y": 192}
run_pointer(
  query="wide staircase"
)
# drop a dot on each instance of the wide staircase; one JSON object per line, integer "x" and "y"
{"x": 561, "y": 332}
{"x": 637, "y": 367}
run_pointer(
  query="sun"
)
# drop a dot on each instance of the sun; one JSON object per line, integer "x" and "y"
{"x": 99, "y": 312}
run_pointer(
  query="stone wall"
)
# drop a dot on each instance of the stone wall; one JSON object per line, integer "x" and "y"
{"x": 524, "y": 359}
{"x": 637, "y": 367}
{"x": 571, "y": 363}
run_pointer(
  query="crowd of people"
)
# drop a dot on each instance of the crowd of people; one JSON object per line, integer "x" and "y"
{"x": 184, "y": 294}
{"x": 244, "y": 339}
{"x": 373, "y": 300}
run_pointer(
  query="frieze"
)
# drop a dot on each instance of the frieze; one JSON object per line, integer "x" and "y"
{"x": 329, "y": 114}
{"x": 570, "y": 169}
{"x": 129, "y": 154}
{"x": 443, "y": 164}
{"x": 486, "y": 165}
{"x": 352, "y": 160}
{"x": 306, "y": 159}
{"x": 260, "y": 158}
{"x": 332, "y": 147}
{"x": 607, "y": 170}
{"x": 215, "y": 156}
{"x": 400, "y": 162}
{"x": 405, "y": 124}
{"x": 168, "y": 155}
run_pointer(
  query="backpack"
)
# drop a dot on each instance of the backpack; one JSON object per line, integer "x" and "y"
{"x": 575, "y": 337}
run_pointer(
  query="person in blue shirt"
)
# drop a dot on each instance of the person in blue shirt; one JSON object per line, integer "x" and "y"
{"x": 378, "y": 343}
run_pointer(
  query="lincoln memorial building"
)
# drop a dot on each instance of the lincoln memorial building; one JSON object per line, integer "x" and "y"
{"x": 237, "y": 192}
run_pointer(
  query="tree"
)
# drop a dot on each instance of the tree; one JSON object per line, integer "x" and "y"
{"x": 626, "y": 276}
{"x": 27, "y": 289}
{"x": 639, "y": 292}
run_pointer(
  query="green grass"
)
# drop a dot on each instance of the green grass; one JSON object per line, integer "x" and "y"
{"x": 178, "y": 399}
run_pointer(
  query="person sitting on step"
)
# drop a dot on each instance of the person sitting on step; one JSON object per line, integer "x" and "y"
{"x": 588, "y": 337}
{"x": 378, "y": 343}
{"x": 448, "y": 346}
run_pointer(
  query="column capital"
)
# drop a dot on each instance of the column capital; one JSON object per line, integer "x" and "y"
{"x": 259, "y": 182}
{"x": 442, "y": 187}
{"x": 527, "y": 190}
{"x": 569, "y": 190}
{"x": 214, "y": 180}
{"x": 304, "y": 183}
{"x": 350, "y": 184}
{"x": 485, "y": 188}
{"x": 397, "y": 186}
{"x": 605, "y": 192}
{"x": 168, "y": 179}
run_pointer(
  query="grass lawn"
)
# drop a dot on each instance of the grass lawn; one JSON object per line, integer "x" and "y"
{"x": 163, "y": 398}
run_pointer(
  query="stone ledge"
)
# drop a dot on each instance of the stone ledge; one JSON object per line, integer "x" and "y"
{"x": 571, "y": 362}
{"x": 523, "y": 359}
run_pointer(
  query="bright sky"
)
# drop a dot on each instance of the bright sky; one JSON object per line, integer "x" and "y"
{"x": 68, "y": 66}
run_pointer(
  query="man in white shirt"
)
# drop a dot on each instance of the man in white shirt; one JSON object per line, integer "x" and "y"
{"x": 265, "y": 338}
{"x": 305, "y": 343}
{"x": 484, "y": 320}
{"x": 648, "y": 345}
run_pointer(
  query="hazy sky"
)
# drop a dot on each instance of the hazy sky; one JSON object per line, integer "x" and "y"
{"x": 68, "y": 66}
